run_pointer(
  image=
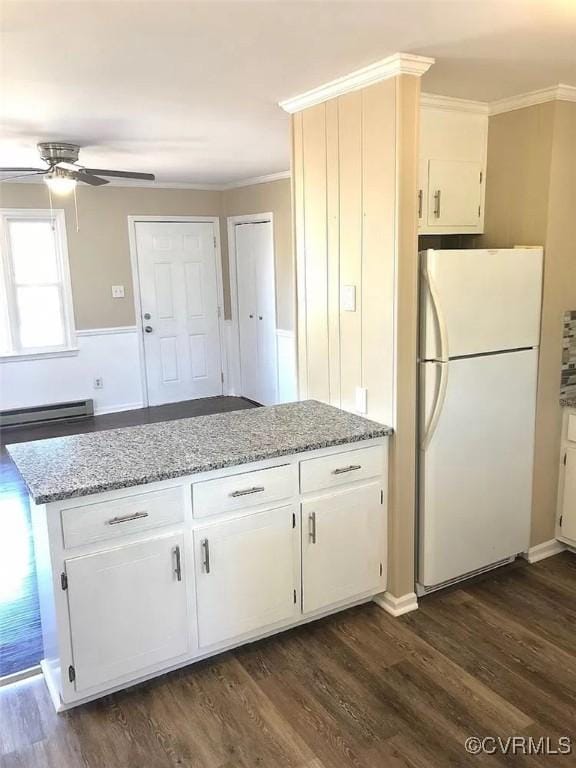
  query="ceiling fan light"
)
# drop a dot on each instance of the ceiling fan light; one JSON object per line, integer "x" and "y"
{"x": 59, "y": 184}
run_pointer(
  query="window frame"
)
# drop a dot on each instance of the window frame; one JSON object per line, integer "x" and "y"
{"x": 8, "y": 284}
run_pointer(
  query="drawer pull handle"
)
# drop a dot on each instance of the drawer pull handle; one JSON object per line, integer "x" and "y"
{"x": 343, "y": 470}
{"x": 205, "y": 555}
{"x": 127, "y": 518}
{"x": 247, "y": 491}
{"x": 178, "y": 567}
{"x": 312, "y": 527}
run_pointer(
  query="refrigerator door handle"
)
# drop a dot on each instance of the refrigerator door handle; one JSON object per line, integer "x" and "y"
{"x": 439, "y": 317}
{"x": 438, "y": 405}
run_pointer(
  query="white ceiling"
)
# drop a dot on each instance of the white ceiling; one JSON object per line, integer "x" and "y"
{"x": 189, "y": 90}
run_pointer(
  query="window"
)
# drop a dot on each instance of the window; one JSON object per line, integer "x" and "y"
{"x": 36, "y": 315}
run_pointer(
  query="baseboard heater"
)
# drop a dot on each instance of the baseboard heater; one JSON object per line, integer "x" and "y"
{"x": 38, "y": 414}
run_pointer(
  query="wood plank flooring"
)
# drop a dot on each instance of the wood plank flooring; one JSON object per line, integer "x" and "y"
{"x": 20, "y": 630}
{"x": 496, "y": 657}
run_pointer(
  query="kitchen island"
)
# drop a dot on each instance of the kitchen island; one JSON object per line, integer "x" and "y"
{"x": 163, "y": 544}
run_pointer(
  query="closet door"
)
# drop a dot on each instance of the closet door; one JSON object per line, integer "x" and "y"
{"x": 257, "y": 311}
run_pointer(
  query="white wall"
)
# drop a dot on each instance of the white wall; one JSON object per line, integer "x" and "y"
{"x": 110, "y": 353}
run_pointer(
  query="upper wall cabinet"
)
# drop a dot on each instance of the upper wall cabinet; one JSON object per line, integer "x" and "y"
{"x": 452, "y": 171}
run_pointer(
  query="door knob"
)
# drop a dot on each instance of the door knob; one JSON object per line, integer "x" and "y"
{"x": 250, "y": 316}
{"x": 147, "y": 316}
{"x": 259, "y": 317}
{"x": 148, "y": 328}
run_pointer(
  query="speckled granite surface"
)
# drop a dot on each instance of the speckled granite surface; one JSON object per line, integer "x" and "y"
{"x": 568, "y": 402}
{"x": 79, "y": 465}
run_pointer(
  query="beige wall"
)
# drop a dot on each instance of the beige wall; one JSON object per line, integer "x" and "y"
{"x": 531, "y": 200}
{"x": 272, "y": 197}
{"x": 99, "y": 252}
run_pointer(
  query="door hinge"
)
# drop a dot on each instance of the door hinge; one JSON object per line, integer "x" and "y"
{"x": 565, "y": 456}
{"x": 214, "y": 241}
{"x": 481, "y": 177}
{"x": 71, "y": 674}
{"x": 560, "y": 521}
{"x": 478, "y": 211}
{"x": 380, "y": 569}
{"x": 295, "y": 598}
{"x": 293, "y": 520}
{"x": 382, "y": 496}
{"x": 222, "y": 376}
{"x": 63, "y": 581}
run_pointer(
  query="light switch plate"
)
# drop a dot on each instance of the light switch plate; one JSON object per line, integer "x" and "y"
{"x": 117, "y": 291}
{"x": 348, "y": 298}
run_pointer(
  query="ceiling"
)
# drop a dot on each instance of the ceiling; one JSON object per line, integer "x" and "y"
{"x": 189, "y": 90}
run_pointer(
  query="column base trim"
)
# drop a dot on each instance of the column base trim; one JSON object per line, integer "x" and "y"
{"x": 397, "y": 606}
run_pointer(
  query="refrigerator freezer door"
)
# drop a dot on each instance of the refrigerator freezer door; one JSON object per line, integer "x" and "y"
{"x": 483, "y": 300}
{"x": 476, "y": 471}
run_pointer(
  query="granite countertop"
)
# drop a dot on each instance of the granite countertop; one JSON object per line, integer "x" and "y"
{"x": 568, "y": 402}
{"x": 79, "y": 465}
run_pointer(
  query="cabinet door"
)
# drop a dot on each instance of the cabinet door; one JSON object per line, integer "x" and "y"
{"x": 568, "y": 526}
{"x": 128, "y": 609}
{"x": 247, "y": 574}
{"x": 343, "y": 546}
{"x": 454, "y": 193}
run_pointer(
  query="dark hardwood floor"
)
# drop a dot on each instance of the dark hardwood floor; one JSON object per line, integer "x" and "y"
{"x": 496, "y": 657}
{"x": 20, "y": 630}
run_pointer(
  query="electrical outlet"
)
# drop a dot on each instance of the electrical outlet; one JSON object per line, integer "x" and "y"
{"x": 117, "y": 291}
{"x": 98, "y": 382}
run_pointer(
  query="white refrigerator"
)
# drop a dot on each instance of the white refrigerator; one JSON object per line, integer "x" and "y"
{"x": 479, "y": 337}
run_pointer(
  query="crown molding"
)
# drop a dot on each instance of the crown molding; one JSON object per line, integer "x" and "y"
{"x": 397, "y": 64}
{"x": 558, "y": 92}
{"x": 452, "y": 104}
{"x": 257, "y": 180}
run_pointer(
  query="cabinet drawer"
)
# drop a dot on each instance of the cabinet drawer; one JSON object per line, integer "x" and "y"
{"x": 109, "y": 519}
{"x": 341, "y": 468}
{"x": 571, "y": 431}
{"x": 248, "y": 489}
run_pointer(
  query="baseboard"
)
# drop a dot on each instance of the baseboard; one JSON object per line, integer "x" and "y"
{"x": 397, "y": 606}
{"x": 544, "y": 550}
{"x": 117, "y": 408}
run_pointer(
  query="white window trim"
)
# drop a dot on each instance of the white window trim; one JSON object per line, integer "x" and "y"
{"x": 70, "y": 347}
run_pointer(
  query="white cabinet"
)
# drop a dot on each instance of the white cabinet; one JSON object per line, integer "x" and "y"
{"x": 452, "y": 171}
{"x": 343, "y": 546}
{"x": 566, "y": 530}
{"x": 128, "y": 610}
{"x": 247, "y": 574}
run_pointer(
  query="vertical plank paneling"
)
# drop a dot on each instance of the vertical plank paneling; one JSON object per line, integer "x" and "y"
{"x": 316, "y": 252}
{"x": 300, "y": 255}
{"x": 333, "y": 233}
{"x": 378, "y": 238}
{"x": 350, "y": 162}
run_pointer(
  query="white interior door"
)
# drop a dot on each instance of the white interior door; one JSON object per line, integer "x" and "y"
{"x": 343, "y": 546}
{"x": 247, "y": 574}
{"x": 255, "y": 279}
{"x": 179, "y": 299}
{"x": 476, "y": 463}
{"x": 128, "y": 609}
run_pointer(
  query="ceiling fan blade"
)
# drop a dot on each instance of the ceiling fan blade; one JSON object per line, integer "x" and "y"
{"x": 120, "y": 174}
{"x": 23, "y": 175}
{"x": 87, "y": 178}
{"x": 22, "y": 170}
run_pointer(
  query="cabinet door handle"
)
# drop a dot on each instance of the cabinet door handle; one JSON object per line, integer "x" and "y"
{"x": 420, "y": 196}
{"x": 312, "y": 527}
{"x": 178, "y": 566}
{"x": 343, "y": 470}
{"x": 205, "y": 555}
{"x": 247, "y": 491}
{"x": 127, "y": 518}
{"x": 437, "y": 204}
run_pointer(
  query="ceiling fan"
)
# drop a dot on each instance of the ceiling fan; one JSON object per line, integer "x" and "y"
{"x": 63, "y": 171}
